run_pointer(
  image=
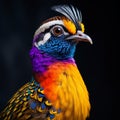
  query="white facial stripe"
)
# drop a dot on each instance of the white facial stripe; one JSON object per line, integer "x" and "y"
{"x": 42, "y": 42}
{"x": 46, "y": 37}
{"x": 48, "y": 25}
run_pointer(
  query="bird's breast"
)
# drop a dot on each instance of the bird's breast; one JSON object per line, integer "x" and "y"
{"x": 65, "y": 88}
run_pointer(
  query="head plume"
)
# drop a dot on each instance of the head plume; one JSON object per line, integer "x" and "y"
{"x": 71, "y": 13}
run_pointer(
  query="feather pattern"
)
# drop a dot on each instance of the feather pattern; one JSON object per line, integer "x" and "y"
{"x": 70, "y": 12}
{"x": 29, "y": 102}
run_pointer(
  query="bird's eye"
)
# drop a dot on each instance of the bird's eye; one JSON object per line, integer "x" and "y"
{"x": 57, "y": 30}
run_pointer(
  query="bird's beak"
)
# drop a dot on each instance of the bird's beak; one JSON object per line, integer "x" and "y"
{"x": 80, "y": 36}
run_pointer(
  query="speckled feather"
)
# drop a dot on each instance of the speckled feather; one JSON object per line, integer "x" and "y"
{"x": 29, "y": 103}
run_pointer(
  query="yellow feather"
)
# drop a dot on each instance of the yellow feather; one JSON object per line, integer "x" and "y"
{"x": 73, "y": 97}
{"x": 82, "y": 27}
{"x": 69, "y": 25}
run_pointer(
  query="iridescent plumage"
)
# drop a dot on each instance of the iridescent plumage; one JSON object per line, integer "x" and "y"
{"x": 57, "y": 91}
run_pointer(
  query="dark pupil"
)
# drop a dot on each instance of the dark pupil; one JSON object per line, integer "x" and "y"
{"x": 58, "y": 30}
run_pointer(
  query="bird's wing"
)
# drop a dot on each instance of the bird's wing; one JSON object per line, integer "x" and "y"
{"x": 29, "y": 102}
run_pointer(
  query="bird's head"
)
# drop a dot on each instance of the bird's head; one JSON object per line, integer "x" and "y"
{"x": 59, "y": 35}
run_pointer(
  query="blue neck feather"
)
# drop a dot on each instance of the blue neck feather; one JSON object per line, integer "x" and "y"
{"x": 59, "y": 48}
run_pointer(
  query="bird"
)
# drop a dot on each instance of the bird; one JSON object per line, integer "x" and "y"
{"x": 57, "y": 90}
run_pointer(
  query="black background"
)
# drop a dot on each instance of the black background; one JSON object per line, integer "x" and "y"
{"x": 18, "y": 21}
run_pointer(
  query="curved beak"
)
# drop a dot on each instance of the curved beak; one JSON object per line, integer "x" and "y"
{"x": 80, "y": 36}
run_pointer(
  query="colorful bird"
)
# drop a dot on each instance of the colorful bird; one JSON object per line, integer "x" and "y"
{"x": 57, "y": 90}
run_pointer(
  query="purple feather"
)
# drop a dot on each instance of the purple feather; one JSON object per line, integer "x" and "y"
{"x": 41, "y": 61}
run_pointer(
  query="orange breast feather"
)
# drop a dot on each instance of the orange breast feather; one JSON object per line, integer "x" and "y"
{"x": 64, "y": 87}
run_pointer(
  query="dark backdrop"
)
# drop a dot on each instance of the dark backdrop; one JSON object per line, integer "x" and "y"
{"x": 18, "y": 21}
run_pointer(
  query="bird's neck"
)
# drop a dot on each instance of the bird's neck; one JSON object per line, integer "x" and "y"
{"x": 42, "y": 61}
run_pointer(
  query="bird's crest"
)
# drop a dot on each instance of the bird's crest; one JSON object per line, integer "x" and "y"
{"x": 72, "y": 13}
